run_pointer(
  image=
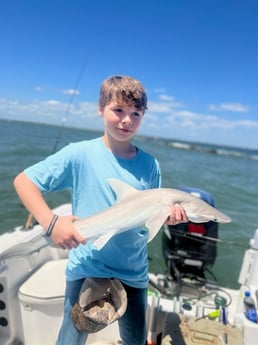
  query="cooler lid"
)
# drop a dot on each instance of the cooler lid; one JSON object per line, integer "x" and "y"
{"x": 48, "y": 282}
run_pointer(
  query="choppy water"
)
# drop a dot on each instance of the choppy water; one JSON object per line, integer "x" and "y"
{"x": 229, "y": 174}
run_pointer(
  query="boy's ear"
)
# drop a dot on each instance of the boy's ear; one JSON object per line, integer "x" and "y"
{"x": 100, "y": 110}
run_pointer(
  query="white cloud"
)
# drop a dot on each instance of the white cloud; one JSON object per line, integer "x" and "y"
{"x": 170, "y": 100}
{"x": 159, "y": 90}
{"x": 162, "y": 119}
{"x": 41, "y": 88}
{"x": 70, "y": 92}
{"x": 159, "y": 107}
{"x": 188, "y": 119}
{"x": 166, "y": 98}
{"x": 247, "y": 124}
{"x": 165, "y": 104}
{"x": 234, "y": 107}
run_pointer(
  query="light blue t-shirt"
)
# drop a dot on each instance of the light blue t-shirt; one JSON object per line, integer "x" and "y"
{"x": 83, "y": 168}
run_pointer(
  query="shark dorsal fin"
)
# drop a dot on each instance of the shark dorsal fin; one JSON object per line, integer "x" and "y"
{"x": 121, "y": 189}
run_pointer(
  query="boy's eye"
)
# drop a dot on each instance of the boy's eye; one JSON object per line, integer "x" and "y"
{"x": 136, "y": 114}
{"x": 118, "y": 110}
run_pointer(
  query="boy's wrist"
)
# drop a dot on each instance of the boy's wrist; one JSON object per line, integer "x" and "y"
{"x": 52, "y": 225}
{"x": 46, "y": 220}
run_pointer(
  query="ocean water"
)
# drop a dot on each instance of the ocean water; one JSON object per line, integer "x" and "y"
{"x": 229, "y": 174}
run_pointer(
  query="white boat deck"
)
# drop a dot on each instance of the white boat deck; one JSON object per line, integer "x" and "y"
{"x": 32, "y": 293}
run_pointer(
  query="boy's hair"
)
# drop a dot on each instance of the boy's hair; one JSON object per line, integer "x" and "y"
{"x": 123, "y": 90}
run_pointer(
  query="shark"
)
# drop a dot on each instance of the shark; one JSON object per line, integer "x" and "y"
{"x": 133, "y": 208}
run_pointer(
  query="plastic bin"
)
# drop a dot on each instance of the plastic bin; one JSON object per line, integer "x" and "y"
{"x": 41, "y": 298}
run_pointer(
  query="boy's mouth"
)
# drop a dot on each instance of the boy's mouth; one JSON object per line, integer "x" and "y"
{"x": 124, "y": 130}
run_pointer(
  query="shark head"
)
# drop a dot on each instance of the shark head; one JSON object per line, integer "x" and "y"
{"x": 200, "y": 211}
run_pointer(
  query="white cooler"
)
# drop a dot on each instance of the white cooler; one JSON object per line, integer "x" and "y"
{"x": 41, "y": 298}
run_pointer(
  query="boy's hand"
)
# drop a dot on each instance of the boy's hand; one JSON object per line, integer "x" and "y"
{"x": 64, "y": 233}
{"x": 177, "y": 215}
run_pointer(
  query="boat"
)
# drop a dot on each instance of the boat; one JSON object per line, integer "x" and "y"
{"x": 181, "y": 311}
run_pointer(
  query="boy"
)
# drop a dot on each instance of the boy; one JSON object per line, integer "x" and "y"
{"x": 83, "y": 168}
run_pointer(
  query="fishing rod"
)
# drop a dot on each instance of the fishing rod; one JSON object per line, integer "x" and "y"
{"x": 30, "y": 219}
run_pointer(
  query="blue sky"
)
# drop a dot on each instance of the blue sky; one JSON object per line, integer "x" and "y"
{"x": 196, "y": 58}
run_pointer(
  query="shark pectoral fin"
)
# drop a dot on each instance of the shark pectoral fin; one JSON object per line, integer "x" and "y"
{"x": 103, "y": 239}
{"x": 155, "y": 223}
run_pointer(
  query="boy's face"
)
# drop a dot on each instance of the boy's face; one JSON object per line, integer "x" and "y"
{"x": 121, "y": 121}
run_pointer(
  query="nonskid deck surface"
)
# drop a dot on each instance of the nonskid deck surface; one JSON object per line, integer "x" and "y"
{"x": 194, "y": 316}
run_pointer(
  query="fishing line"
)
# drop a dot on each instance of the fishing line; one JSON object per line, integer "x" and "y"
{"x": 59, "y": 134}
{"x": 204, "y": 239}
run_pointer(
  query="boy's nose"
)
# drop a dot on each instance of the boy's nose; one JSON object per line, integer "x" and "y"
{"x": 127, "y": 119}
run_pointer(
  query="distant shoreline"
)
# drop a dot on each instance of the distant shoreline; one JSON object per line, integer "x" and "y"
{"x": 210, "y": 148}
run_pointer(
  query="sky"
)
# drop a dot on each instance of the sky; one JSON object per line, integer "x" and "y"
{"x": 197, "y": 59}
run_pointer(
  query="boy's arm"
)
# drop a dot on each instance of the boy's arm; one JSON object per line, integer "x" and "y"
{"x": 63, "y": 234}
